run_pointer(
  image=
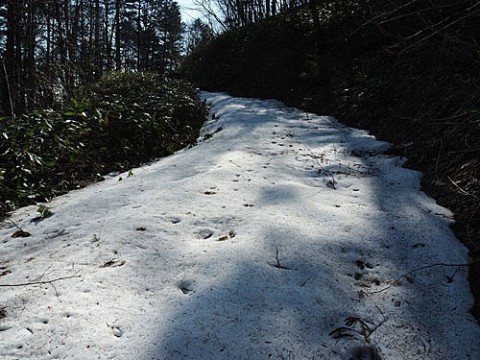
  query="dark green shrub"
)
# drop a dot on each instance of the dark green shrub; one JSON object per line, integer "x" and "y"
{"x": 120, "y": 121}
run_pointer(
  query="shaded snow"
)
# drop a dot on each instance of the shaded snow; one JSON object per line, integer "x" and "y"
{"x": 272, "y": 238}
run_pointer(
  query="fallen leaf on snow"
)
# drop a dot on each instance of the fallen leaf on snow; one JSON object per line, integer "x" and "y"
{"x": 6, "y": 272}
{"x": 113, "y": 263}
{"x": 20, "y": 233}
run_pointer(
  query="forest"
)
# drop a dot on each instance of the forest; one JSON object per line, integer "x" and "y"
{"x": 88, "y": 86}
{"x": 49, "y": 48}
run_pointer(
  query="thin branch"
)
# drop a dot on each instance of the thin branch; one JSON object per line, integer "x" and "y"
{"x": 384, "y": 14}
{"x": 437, "y": 162}
{"x": 434, "y": 31}
{"x": 422, "y": 268}
{"x": 210, "y": 12}
{"x": 279, "y": 265}
{"x": 40, "y": 282}
{"x": 438, "y": 121}
{"x": 414, "y": 13}
{"x": 18, "y": 227}
{"x": 322, "y": 169}
{"x": 464, "y": 192}
{"x": 372, "y": 330}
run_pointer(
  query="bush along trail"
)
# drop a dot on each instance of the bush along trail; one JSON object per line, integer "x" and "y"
{"x": 121, "y": 121}
{"x": 282, "y": 234}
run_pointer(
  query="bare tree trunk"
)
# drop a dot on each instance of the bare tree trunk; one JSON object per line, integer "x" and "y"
{"x": 139, "y": 36}
{"x": 8, "y": 89}
{"x": 29, "y": 70}
{"x": 12, "y": 57}
{"x": 108, "y": 36}
{"x": 62, "y": 22}
{"x": 73, "y": 35}
{"x": 118, "y": 59}
{"x": 98, "y": 61}
{"x": 49, "y": 36}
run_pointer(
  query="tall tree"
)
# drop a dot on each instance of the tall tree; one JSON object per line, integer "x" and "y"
{"x": 52, "y": 45}
{"x": 169, "y": 31}
{"x": 198, "y": 33}
{"x": 237, "y": 13}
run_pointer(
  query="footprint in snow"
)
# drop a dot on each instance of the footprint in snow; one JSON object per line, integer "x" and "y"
{"x": 364, "y": 353}
{"x": 116, "y": 330}
{"x": 185, "y": 286}
{"x": 364, "y": 265}
{"x": 205, "y": 234}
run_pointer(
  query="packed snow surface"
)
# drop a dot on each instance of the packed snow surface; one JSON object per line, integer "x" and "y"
{"x": 281, "y": 235}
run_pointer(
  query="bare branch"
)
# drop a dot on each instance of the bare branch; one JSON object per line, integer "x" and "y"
{"x": 40, "y": 282}
{"x": 419, "y": 269}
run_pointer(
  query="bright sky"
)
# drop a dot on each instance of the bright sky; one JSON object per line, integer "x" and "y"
{"x": 187, "y": 8}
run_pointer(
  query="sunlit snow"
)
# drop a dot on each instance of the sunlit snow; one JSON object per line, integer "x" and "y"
{"x": 279, "y": 236}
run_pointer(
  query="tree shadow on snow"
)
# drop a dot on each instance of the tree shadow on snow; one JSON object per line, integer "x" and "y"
{"x": 314, "y": 293}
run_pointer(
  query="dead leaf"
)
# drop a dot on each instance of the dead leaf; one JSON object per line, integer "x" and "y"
{"x": 6, "y": 272}
{"x": 341, "y": 332}
{"x": 20, "y": 234}
{"x": 113, "y": 263}
{"x": 223, "y": 238}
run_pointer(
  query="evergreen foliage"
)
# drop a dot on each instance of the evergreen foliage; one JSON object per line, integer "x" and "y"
{"x": 118, "y": 122}
{"x": 199, "y": 34}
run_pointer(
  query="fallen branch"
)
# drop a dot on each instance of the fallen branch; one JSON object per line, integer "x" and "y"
{"x": 464, "y": 192}
{"x": 40, "y": 282}
{"x": 278, "y": 264}
{"x": 367, "y": 328}
{"x": 419, "y": 269}
{"x": 332, "y": 182}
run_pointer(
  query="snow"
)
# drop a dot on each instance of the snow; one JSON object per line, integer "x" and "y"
{"x": 279, "y": 236}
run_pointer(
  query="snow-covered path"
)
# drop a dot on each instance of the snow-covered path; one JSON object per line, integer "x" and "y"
{"x": 273, "y": 238}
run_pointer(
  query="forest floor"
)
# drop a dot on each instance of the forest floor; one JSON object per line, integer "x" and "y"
{"x": 282, "y": 235}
